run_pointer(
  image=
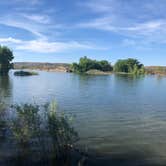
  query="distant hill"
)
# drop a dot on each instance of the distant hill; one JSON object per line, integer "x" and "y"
{"x": 64, "y": 67}
{"x": 159, "y": 70}
{"x": 61, "y": 67}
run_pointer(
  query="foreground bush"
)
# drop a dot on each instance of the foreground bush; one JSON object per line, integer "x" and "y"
{"x": 37, "y": 133}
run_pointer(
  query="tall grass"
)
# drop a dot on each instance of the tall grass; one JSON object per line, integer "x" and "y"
{"x": 38, "y": 133}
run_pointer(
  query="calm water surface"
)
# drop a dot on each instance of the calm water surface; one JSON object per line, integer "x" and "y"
{"x": 114, "y": 114}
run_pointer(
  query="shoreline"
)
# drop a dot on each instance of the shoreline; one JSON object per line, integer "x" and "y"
{"x": 65, "y": 67}
{"x": 89, "y": 73}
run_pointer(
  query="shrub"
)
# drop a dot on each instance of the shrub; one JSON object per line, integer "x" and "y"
{"x": 129, "y": 66}
{"x": 24, "y": 73}
{"x": 39, "y": 132}
{"x": 85, "y": 64}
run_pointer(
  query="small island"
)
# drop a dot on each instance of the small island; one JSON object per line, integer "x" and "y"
{"x": 94, "y": 67}
{"x": 25, "y": 73}
{"x": 90, "y": 66}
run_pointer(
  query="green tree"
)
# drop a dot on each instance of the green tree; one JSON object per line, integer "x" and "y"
{"x": 86, "y": 64}
{"x": 129, "y": 66}
{"x": 105, "y": 65}
{"x": 121, "y": 66}
{"x": 6, "y": 56}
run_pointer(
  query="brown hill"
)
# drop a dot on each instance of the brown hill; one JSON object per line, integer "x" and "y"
{"x": 60, "y": 67}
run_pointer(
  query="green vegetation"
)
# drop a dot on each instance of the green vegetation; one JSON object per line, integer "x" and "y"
{"x": 132, "y": 66}
{"x": 25, "y": 73}
{"x": 6, "y": 56}
{"x": 38, "y": 133}
{"x": 97, "y": 72}
{"x": 85, "y": 64}
{"x": 89, "y": 66}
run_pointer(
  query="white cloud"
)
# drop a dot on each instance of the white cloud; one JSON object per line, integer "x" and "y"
{"x": 150, "y": 26}
{"x": 143, "y": 21}
{"x": 44, "y": 46}
{"x": 22, "y": 24}
{"x": 37, "y": 24}
{"x": 107, "y": 24}
{"x": 30, "y": 2}
{"x": 20, "y": 3}
{"x": 10, "y": 40}
{"x": 99, "y": 23}
{"x": 98, "y": 5}
{"x": 42, "y": 19}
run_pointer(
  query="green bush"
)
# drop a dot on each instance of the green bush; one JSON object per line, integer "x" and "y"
{"x": 85, "y": 64}
{"x": 40, "y": 131}
{"x": 129, "y": 66}
{"x": 25, "y": 73}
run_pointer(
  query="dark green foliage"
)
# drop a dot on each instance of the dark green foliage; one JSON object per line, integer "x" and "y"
{"x": 6, "y": 56}
{"x": 24, "y": 73}
{"x": 129, "y": 66}
{"x": 26, "y": 124}
{"x": 105, "y": 65}
{"x": 2, "y": 122}
{"x": 37, "y": 132}
{"x": 86, "y": 64}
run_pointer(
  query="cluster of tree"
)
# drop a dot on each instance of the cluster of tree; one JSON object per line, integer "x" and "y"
{"x": 129, "y": 66}
{"x": 6, "y": 56}
{"x": 85, "y": 64}
{"x": 126, "y": 66}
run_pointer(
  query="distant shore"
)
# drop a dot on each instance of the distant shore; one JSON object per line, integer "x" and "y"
{"x": 156, "y": 70}
{"x": 57, "y": 67}
{"x": 65, "y": 67}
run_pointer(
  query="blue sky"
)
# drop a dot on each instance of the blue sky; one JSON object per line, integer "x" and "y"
{"x": 65, "y": 30}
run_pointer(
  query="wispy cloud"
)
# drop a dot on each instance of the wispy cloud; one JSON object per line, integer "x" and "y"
{"x": 44, "y": 46}
{"x": 10, "y": 40}
{"x": 20, "y": 4}
{"x": 42, "y": 19}
{"x": 43, "y": 26}
{"x": 39, "y": 25}
{"x": 52, "y": 47}
{"x": 30, "y": 2}
{"x": 136, "y": 19}
{"x": 107, "y": 24}
{"x": 18, "y": 22}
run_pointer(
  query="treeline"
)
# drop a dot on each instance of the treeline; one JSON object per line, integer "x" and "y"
{"x": 85, "y": 64}
{"x": 129, "y": 65}
{"x": 132, "y": 66}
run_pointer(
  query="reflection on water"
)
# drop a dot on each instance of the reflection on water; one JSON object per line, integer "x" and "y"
{"x": 5, "y": 100}
{"x": 115, "y": 114}
{"x": 5, "y": 89}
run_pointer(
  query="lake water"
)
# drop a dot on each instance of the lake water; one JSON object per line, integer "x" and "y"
{"x": 113, "y": 114}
